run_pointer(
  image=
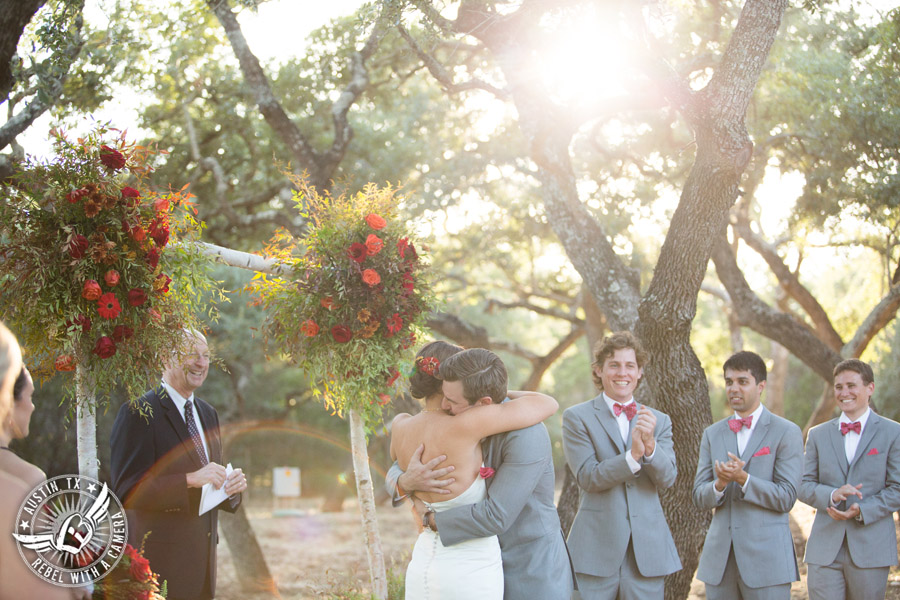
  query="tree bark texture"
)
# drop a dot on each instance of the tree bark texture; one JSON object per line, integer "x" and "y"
{"x": 250, "y": 564}
{"x": 14, "y": 16}
{"x": 365, "y": 493}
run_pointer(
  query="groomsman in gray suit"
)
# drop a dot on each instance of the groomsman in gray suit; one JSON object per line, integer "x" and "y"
{"x": 852, "y": 479}
{"x": 749, "y": 471}
{"x": 621, "y": 455}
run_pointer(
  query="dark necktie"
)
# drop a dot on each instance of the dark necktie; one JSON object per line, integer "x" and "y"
{"x": 192, "y": 430}
{"x": 737, "y": 423}
{"x": 629, "y": 409}
{"x": 848, "y": 427}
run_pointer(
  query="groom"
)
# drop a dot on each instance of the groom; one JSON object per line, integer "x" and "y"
{"x": 519, "y": 507}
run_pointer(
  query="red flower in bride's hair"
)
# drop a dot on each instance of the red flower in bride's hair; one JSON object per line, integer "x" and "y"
{"x": 428, "y": 365}
{"x": 486, "y": 472}
{"x": 108, "y": 306}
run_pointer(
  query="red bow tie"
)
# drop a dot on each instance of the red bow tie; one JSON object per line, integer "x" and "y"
{"x": 848, "y": 427}
{"x": 737, "y": 423}
{"x": 630, "y": 409}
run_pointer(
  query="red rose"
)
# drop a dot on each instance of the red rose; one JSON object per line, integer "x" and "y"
{"x": 159, "y": 231}
{"x": 131, "y": 195}
{"x": 64, "y": 362}
{"x": 371, "y": 277}
{"x": 373, "y": 244}
{"x": 136, "y": 296}
{"x": 161, "y": 283}
{"x": 111, "y": 158}
{"x": 81, "y": 321}
{"x": 309, "y": 328}
{"x": 161, "y": 204}
{"x": 341, "y": 334}
{"x": 140, "y": 568}
{"x": 394, "y": 323}
{"x": 78, "y": 245}
{"x": 152, "y": 258}
{"x": 404, "y": 247}
{"x": 130, "y": 552}
{"x": 76, "y": 195}
{"x": 111, "y": 278}
{"x": 138, "y": 234}
{"x": 122, "y": 332}
{"x": 357, "y": 252}
{"x": 105, "y": 347}
{"x": 91, "y": 290}
{"x": 375, "y": 222}
{"x": 108, "y": 306}
{"x": 394, "y": 374}
{"x": 383, "y": 399}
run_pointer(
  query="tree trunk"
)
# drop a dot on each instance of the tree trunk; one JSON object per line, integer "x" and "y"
{"x": 366, "y": 495}
{"x": 86, "y": 424}
{"x": 777, "y": 379}
{"x": 250, "y": 564}
{"x": 567, "y": 506}
{"x": 824, "y": 409}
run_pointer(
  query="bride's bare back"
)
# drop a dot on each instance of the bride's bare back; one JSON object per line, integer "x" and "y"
{"x": 459, "y": 437}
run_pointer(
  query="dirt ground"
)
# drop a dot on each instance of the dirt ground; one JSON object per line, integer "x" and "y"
{"x": 315, "y": 555}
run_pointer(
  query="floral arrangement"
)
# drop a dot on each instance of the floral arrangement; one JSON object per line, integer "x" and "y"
{"x": 87, "y": 263}
{"x": 356, "y": 294}
{"x": 131, "y": 579}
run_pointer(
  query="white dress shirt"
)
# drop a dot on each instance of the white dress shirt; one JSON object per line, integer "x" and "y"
{"x": 180, "y": 402}
{"x": 624, "y": 425}
{"x": 851, "y": 441}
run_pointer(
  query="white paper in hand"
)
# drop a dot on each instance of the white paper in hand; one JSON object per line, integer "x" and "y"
{"x": 211, "y": 497}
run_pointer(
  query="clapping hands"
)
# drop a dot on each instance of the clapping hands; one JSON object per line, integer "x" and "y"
{"x": 643, "y": 443}
{"x": 728, "y": 471}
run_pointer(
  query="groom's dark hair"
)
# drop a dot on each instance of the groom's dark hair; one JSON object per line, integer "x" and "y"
{"x": 481, "y": 372}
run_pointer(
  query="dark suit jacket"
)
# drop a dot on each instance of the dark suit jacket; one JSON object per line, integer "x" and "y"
{"x": 149, "y": 462}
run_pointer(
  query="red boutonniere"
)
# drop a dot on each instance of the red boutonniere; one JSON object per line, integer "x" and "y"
{"x": 763, "y": 451}
{"x": 486, "y": 472}
{"x": 872, "y": 452}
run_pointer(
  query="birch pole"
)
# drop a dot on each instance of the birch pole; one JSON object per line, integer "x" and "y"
{"x": 86, "y": 424}
{"x": 366, "y": 495}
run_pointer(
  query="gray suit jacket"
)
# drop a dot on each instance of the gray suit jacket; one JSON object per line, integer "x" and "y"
{"x": 519, "y": 509}
{"x": 754, "y": 522}
{"x": 616, "y": 504}
{"x": 876, "y": 465}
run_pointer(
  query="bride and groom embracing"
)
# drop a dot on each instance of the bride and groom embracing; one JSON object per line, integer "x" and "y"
{"x": 491, "y": 531}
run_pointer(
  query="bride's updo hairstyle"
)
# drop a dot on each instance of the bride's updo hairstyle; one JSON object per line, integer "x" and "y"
{"x": 426, "y": 379}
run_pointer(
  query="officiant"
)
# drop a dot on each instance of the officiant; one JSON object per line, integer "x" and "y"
{"x": 160, "y": 464}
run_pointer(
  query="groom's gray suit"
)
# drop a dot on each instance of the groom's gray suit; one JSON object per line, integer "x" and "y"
{"x": 519, "y": 510}
{"x": 872, "y": 542}
{"x": 617, "y": 506}
{"x": 753, "y": 523}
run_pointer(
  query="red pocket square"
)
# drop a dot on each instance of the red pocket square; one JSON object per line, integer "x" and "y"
{"x": 872, "y": 451}
{"x": 763, "y": 451}
{"x": 486, "y": 472}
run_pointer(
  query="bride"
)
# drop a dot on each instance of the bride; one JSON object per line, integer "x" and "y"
{"x": 476, "y": 384}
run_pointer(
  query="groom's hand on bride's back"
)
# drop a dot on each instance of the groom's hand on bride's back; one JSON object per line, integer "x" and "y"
{"x": 425, "y": 477}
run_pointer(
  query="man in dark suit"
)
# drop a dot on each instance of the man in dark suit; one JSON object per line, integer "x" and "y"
{"x": 159, "y": 465}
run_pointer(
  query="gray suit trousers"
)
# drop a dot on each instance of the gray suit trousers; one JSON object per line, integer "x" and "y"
{"x": 843, "y": 580}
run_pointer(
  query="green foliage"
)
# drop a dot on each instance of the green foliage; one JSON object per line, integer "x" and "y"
{"x": 89, "y": 276}
{"x": 352, "y": 306}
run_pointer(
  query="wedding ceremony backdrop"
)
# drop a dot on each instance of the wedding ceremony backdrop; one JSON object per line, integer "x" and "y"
{"x": 521, "y": 176}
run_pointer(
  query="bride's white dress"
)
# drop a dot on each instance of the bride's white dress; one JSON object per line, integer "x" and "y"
{"x": 470, "y": 570}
